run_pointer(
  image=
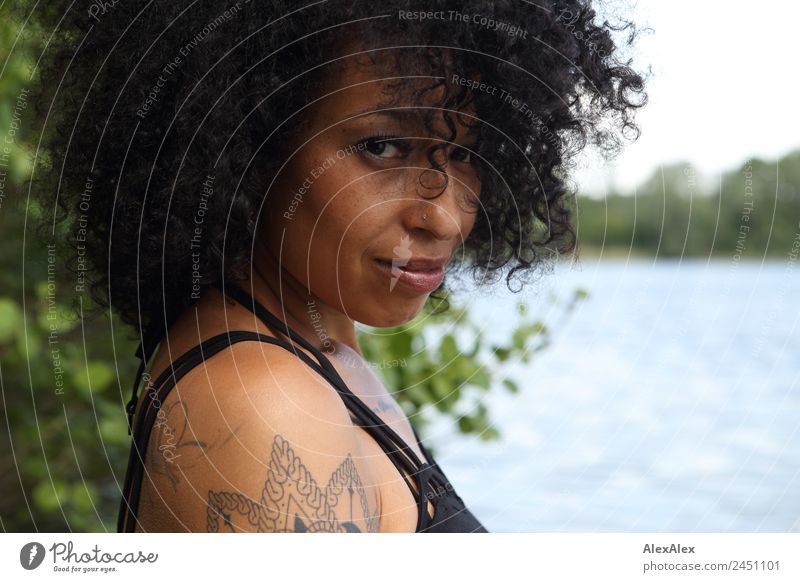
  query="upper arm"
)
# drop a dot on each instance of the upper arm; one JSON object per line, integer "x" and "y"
{"x": 264, "y": 451}
{"x": 297, "y": 493}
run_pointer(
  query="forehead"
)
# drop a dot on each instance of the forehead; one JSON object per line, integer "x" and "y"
{"x": 410, "y": 85}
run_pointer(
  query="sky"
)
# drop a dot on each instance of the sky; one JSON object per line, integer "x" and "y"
{"x": 724, "y": 88}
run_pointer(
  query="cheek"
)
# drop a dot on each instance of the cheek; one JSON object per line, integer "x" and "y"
{"x": 344, "y": 218}
{"x": 357, "y": 203}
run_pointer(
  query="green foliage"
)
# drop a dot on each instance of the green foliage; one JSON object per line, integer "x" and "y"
{"x": 17, "y": 56}
{"x": 68, "y": 430}
{"x": 66, "y": 444}
{"x": 440, "y": 363}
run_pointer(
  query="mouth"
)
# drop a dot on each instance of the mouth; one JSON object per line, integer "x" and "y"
{"x": 421, "y": 275}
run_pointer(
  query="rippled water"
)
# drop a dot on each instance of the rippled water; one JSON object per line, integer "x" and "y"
{"x": 668, "y": 401}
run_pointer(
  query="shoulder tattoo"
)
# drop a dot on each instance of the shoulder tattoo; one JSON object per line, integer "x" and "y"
{"x": 292, "y": 501}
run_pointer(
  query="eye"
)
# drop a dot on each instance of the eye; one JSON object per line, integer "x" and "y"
{"x": 461, "y": 154}
{"x": 384, "y": 147}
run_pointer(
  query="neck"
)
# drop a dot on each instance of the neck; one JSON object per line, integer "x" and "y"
{"x": 323, "y": 326}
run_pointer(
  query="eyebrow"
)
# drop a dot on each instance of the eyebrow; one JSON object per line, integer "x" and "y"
{"x": 403, "y": 114}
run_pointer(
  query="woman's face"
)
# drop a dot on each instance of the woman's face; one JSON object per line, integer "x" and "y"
{"x": 357, "y": 212}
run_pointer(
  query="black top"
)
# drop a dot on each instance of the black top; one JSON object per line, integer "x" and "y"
{"x": 450, "y": 513}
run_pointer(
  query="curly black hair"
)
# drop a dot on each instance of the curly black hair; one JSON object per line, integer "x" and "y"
{"x": 146, "y": 102}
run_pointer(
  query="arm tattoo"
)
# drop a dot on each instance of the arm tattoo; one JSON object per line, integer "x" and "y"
{"x": 386, "y": 404}
{"x": 168, "y": 443}
{"x": 171, "y": 451}
{"x": 291, "y": 500}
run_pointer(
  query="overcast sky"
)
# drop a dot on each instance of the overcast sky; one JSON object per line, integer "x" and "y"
{"x": 725, "y": 87}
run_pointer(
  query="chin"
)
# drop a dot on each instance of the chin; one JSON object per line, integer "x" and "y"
{"x": 392, "y": 312}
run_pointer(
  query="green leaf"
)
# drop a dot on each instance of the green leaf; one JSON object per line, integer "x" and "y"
{"x": 442, "y": 391}
{"x": 417, "y": 394}
{"x": 489, "y": 433}
{"x": 95, "y": 376}
{"x": 536, "y": 328}
{"x": 512, "y": 386}
{"x": 10, "y": 319}
{"x": 400, "y": 344}
{"x": 81, "y": 497}
{"x": 501, "y": 353}
{"x": 114, "y": 430}
{"x": 55, "y": 317}
{"x": 449, "y": 349}
{"x": 481, "y": 379}
{"x": 520, "y": 336}
{"x": 49, "y": 497}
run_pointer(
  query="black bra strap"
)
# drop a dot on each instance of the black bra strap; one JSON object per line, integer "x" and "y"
{"x": 147, "y": 415}
{"x": 368, "y": 417}
{"x": 402, "y": 456}
{"x": 160, "y": 389}
{"x": 146, "y": 349}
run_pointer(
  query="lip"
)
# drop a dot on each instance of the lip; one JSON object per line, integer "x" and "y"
{"x": 421, "y": 273}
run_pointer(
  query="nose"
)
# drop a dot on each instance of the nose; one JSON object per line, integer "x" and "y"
{"x": 440, "y": 207}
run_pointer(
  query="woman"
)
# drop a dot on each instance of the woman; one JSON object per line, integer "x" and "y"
{"x": 246, "y": 181}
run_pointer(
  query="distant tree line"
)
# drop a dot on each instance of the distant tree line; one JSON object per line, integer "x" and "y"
{"x": 753, "y": 211}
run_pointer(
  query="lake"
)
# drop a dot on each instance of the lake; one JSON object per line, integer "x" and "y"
{"x": 668, "y": 401}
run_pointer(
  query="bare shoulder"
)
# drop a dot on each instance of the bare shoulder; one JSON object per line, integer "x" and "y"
{"x": 253, "y": 439}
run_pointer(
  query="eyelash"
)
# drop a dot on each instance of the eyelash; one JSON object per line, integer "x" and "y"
{"x": 394, "y": 140}
{"x": 399, "y": 143}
